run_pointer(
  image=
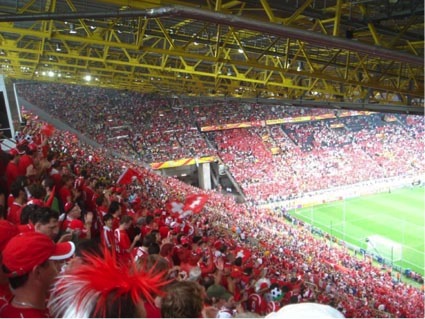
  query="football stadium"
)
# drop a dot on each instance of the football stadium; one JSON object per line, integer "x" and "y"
{"x": 212, "y": 159}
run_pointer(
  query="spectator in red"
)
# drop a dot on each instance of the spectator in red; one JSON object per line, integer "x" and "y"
{"x": 4, "y": 159}
{"x": 28, "y": 218}
{"x": 99, "y": 188}
{"x": 72, "y": 212}
{"x": 107, "y": 236}
{"x": 257, "y": 302}
{"x": 142, "y": 251}
{"x": 7, "y": 231}
{"x": 101, "y": 205}
{"x": 26, "y": 162}
{"x": 123, "y": 245}
{"x": 45, "y": 221}
{"x": 17, "y": 189}
{"x": 30, "y": 260}
{"x": 65, "y": 192}
{"x": 89, "y": 191}
{"x": 12, "y": 168}
{"x": 148, "y": 226}
{"x": 114, "y": 209}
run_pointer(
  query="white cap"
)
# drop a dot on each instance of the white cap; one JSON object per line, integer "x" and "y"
{"x": 305, "y": 310}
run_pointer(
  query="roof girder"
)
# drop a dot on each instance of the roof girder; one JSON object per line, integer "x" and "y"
{"x": 210, "y": 63}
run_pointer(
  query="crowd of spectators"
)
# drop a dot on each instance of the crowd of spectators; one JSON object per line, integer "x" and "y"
{"x": 132, "y": 124}
{"x": 232, "y": 258}
{"x": 271, "y": 163}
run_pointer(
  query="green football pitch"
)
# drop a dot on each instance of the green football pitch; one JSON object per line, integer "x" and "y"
{"x": 397, "y": 216}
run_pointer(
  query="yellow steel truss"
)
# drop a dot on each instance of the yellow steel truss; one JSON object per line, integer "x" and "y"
{"x": 221, "y": 55}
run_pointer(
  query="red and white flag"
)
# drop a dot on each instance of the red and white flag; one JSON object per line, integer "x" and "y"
{"x": 174, "y": 207}
{"x": 242, "y": 252}
{"x": 195, "y": 202}
{"x": 128, "y": 176}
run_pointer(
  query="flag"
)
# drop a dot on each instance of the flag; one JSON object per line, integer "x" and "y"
{"x": 195, "y": 202}
{"x": 174, "y": 207}
{"x": 242, "y": 252}
{"x": 128, "y": 176}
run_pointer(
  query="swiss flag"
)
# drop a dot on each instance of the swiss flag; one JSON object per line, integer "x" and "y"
{"x": 195, "y": 203}
{"x": 174, "y": 207}
{"x": 128, "y": 176}
{"x": 243, "y": 252}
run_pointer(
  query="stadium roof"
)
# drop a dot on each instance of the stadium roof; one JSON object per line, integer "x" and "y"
{"x": 358, "y": 54}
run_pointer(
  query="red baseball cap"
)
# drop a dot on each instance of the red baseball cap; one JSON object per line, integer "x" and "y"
{"x": 7, "y": 231}
{"x": 76, "y": 224}
{"x": 15, "y": 151}
{"x": 27, "y": 250}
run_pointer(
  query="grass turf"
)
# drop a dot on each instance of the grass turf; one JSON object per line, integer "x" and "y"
{"x": 398, "y": 216}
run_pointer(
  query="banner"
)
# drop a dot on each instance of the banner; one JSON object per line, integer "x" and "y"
{"x": 183, "y": 162}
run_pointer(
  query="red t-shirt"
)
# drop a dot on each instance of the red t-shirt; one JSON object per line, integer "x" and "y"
{"x": 122, "y": 244}
{"x": 24, "y": 162}
{"x": 12, "y": 172}
{"x": 107, "y": 238}
{"x": 14, "y": 214}
{"x": 90, "y": 204}
{"x": 115, "y": 223}
{"x": 10, "y": 311}
{"x": 64, "y": 193}
{"x": 26, "y": 228}
{"x": 10, "y": 200}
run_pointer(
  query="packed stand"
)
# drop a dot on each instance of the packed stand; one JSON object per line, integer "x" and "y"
{"x": 132, "y": 124}
{"x": 79, "y": 224}
{"x": 319, "y": 155}
{"x": 271, "y": 164}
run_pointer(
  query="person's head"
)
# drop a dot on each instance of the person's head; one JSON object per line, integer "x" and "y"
{"x": 102, "y": 288}
{"x": 148, "y": 240}
{"x": 37, "y": 191}
{"x": 154, "y": 249}
{"x": 31, "y": 260}
{"x": 154, "y": 263}
{"x": 114, "y": 208}
{"x": 83, "y": 248}
{"x": 156, "y": 235}
{"x": 48, "y": 183}
{"x": 126, "y": 221}
{"x": 46, "y": 221}
{"x": 108, "y": 220}
{"x": 67, "y": 180}
{"x": 73, "y": 210}
{"x": 28, "y": 214}
{"x": 101, "y": 200}
{"x": 183, "y": 299}
{"x": 15, "y": 154}
{"x": 17, "y": 188}
{"x": 99, "y": 187}
{"x": 149, "y": 219}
